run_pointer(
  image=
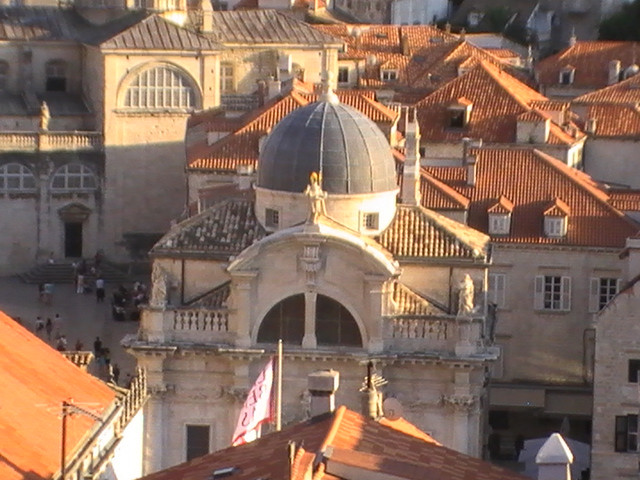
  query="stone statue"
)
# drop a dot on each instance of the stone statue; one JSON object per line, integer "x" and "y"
{"x": 465, "y": 296}
{"x": 158, "y": 287}
{"x": 316, "y": 197}
{"x": 45, "y": 116}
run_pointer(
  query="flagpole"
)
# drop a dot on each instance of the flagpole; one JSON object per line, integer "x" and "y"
{"x": 279, "y": 387}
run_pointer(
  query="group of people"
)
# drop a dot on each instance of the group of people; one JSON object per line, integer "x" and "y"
{"x": 127, "y": 303}
{"x": 52, "y": 328}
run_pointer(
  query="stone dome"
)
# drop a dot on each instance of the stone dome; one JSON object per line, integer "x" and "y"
{"x": 327, "y": 136}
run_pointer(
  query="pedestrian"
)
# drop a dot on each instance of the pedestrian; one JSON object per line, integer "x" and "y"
{"x": 518, "y": 445}
{"x": 57, "y": 322}
{"x": 39, "y": 324}
{"x": 61, "y": 345}
{"x": 80, "y": 283}
{"x": 97, "y": 347}
{"x": 41, "y": 292}
{"x": 48, "y": 328}
{"x": 116, "y": 373}
{"x": 48, "y": 293}
{"x": 100, "y": 290}
{"x": 106, "y": 353}
{"x": 51, "y": 260}
{"x": 79, "y": 346}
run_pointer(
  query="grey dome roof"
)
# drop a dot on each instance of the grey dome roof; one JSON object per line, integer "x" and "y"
{"x": 348, "y": 148}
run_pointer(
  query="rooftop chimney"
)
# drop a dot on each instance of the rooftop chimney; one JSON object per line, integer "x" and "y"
{"x": 322, "y": 387}
{"x": 614, "y": 72}
{"x": 207, "y": 16}
{"x": 573, "y": 38}
{"x": 590, "y": 126}
{"x": 372, "y": 397}
{"x": 411, "y": 170}
{"x": 554, "y": 459}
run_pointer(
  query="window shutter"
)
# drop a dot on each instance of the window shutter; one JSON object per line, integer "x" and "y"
{"x": 566, "y": 293}
{"x": 538, "y": 296}
{"x": 594, "y": 294}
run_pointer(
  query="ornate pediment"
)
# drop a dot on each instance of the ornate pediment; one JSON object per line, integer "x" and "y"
{"x": 74, "y": 212}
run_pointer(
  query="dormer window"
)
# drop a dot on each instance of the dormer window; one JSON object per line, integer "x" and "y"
{"x": 556, "y": 218}
{"x": 271, "y": 218}
{"x": 567, "y": 75}
{"x": 500, "y": 216}
{"x": 388, "y": 74}
{"x": 459, "y": 113}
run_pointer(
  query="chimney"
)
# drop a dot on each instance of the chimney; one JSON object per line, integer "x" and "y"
{"x": 371, "y": 398}
{"x": 468, "y": 160}
{"x": 590, "y": 126}
{"x": 404, "y": 43}
{"x": 322, "y": 387}
{"x": 447, "y": 27}
{"x": 207, "y": 15}
{"x": 274, "y": 88}
{"x": 554, "y": 459}
{"x": 471, "y": 170}
{"x": 411, "y": 170}
{"x": 573, "y": 38}
{"x": 614, "y": 72}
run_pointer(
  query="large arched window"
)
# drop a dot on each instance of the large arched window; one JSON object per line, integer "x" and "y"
{"x": 56, "y": 74}
{"x": 74, "y": 176}
{"x": 335, "y": 326}
{"x": 4, "y": 75}
{"x": 162, "y": 87}
{"x": 15, "y": 177}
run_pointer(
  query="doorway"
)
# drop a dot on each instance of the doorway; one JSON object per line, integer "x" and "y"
{"x": 73, "y": 239}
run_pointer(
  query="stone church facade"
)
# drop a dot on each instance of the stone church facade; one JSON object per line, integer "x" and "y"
{"x": 338, "y": 270}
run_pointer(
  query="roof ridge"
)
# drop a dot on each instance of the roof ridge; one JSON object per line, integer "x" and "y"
{"x": 445, "y": 189}
{"x": 500, "y": 78}
{"x": 335, "y": 426}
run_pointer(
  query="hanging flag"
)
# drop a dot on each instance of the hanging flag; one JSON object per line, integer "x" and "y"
{"x": 256, "y": 409}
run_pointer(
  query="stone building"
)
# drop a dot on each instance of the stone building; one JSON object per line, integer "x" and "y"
{"x": 118, "y": 94}
{"x": 335, "y": 267}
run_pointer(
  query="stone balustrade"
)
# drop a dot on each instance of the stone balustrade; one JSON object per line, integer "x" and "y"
{"x": 50, "y": 141}
{"x": 425, "y": 333}
{"x": 201, "y": 320}
{"x": 186, "y": 325}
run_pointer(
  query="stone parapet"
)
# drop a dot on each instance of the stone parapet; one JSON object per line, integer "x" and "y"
{"x": 51, "y": 141}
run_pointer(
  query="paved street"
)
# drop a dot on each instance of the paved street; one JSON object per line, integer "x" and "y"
{"x": 82, "y": 317}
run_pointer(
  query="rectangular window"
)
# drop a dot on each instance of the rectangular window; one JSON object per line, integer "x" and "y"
{"x": 387, "y": 75}
{"x": 456, "y": 119}
{"x": 343, "y": 74}
{"x": 499, "y": 223}
{"x": 626, "y": 439}
{"x": 601, "y": 291}
{"x": 634, "y": 366}
{"x": 496, "y": 289}
{"x": 197, "y": 442}
{"x": 370, "y": 221}
{"x": 555, "y": 226}
{"x": 226, "y": 78}
{"x": 272, "y": 217}
{"x": 566, "y": 77}
{"x": 552, "y": 293}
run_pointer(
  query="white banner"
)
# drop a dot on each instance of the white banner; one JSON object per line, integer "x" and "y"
{"x": 256, "y": 409}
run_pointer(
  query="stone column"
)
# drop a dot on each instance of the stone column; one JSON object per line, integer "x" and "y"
{"x": 241, "y": 318}
{"x": 309, "y": 340}
{"x": 375, "y": 288}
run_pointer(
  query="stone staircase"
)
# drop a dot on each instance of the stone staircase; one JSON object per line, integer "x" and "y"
{"x": 62, "y": 272}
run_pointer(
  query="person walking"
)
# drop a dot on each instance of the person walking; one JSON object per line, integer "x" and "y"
{"x": 100, "y": 290}
{"x": 97, "y": 347}
{"x": 61, "y": 345}
{"x": 48, "y": 328}
{"x": 48, "y": 293}
{"x": 79, "y": 345}
{"x": 39, "y": 324}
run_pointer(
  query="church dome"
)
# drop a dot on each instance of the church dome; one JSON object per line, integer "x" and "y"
{"x": 327, "y": 136}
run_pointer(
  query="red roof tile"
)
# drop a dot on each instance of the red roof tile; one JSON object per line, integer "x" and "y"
{"x": 343, "y": 431}
{"x": 35, "y": 380}
{"x": 502, "y": 205}
{"x": 625, "y": 200}
{"x": 627, "y": 91}
{"x": 529, "y": 179}
{"x": 590, "y": 60}
{"x": 615, "y": 120}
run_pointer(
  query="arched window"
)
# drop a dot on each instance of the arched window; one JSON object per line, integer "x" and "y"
{"x": 56, "y": 74}
{"x": 15, "y": 177}
{"x": 74, "y": 176}
{"x": 335, "y": 326}
{"x": 284, "y": 321}
{"x": 160, "y": 87}
{"x": 4, "y": 75}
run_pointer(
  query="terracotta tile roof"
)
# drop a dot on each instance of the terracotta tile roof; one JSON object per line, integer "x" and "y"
{"x": 502, "y": 52}
{"x": 625, "y": 200}
{"x": 502, "y": 205}
{"x": 424, "y": 56}
{"x": 35, "y": 380}
{"x": 626, "y": 91}
{"x": 498, "y": 99}
{"x": 156, "y": 33}
{"x": 420, "y": 233}
{"x": 266, "y": 26}
{"x": 408, "y": 302}
{"x": 225, "y": 229}
{"x": 557, "y": 208}
{"x": 619, "y": 121}
{"x": 441, "y": 195}
{"x": 530, "y": 179}
{"x": 343, "y": 431}
{"x": 590, "y": 60}
{"x": 242, "y": 146}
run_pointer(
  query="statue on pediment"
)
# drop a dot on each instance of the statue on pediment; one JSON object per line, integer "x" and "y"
{"x": 316, "y": 197}
{"x": 465, "y": 296}
{"x": 45, "y": 116}
{"x": 159, "y": 282}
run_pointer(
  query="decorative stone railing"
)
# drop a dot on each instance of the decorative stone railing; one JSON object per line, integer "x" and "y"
{"x": 185, "y": 325}
{"x": 81, "y": 359}
{"x": 50, "y": 141}
{"x": 426, "y": 333}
